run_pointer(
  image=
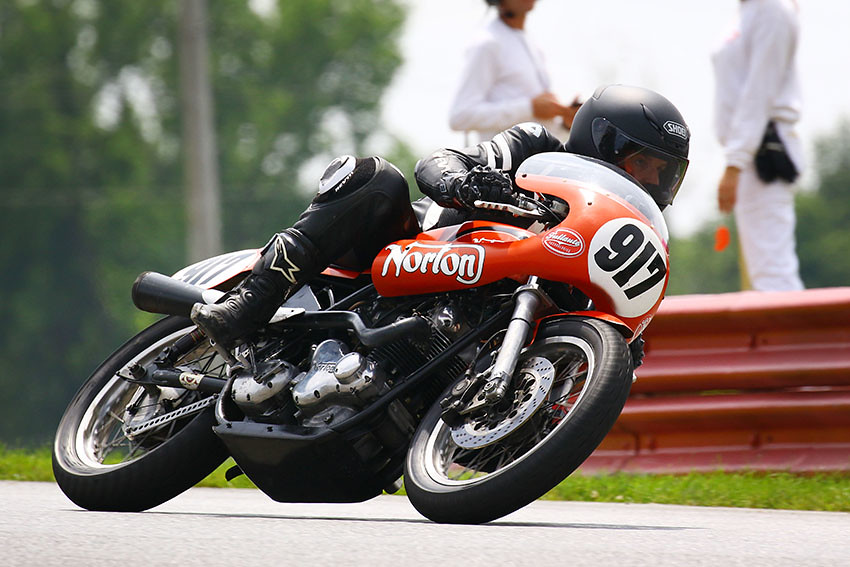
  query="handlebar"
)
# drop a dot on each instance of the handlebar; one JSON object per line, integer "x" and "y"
{"x": 527, "y": 207}
{"x": 515, "y": 210}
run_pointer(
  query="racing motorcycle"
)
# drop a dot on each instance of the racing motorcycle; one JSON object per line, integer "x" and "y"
{"x": 481, "y": 362}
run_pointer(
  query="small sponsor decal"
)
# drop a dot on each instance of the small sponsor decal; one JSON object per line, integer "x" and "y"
{"x": 676, "y": 129}
{"x": 464, "y": 262}
{"x": 564, "y": 242}
{"x": 643, "y": 325}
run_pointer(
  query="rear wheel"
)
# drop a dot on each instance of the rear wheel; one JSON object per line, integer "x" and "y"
{"x": 122, "y": 446}
{"x": 569, "y": 388}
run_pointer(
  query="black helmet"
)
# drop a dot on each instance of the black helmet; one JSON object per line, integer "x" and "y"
{"x": 619, "y": 124}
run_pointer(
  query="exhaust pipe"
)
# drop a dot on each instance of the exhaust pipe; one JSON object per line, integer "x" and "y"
{"x": 158, "y": 293}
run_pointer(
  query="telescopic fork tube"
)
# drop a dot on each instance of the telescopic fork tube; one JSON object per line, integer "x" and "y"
{"x": 529, "y": 298}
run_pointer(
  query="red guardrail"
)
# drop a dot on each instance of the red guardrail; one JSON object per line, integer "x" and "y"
{"x": 748, "y": 380}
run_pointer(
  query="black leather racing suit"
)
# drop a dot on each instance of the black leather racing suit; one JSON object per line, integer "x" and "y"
{"x": 505, "y": 152}
{"x": 364, "y": 203}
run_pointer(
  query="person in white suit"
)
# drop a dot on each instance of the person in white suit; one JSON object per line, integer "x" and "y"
{"x": 757, "y": 104}
{"x": 505, "y": 80}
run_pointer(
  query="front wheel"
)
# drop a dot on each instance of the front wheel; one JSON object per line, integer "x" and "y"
{"x": 125, "y": 447}
{"x": 569, "y": 388}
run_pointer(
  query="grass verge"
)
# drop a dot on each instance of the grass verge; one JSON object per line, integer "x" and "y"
{"x": 780, "y": 490}
{"x": 826, "y": 492}
{"x": 19, "y": 464}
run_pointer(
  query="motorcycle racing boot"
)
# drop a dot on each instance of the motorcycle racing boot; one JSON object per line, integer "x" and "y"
{"x": 286, "y": 261}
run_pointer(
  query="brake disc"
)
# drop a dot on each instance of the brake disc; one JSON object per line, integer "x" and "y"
{"x": 532, "y": 383}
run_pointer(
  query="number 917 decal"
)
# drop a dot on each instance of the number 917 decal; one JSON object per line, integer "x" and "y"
{"x": 629, "y": 261}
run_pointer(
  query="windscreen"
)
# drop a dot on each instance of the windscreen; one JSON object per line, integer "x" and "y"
{"x": 599, "y": 176}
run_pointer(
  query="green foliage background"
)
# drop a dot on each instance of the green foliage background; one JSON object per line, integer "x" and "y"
{"x": 91, "y": 161}
{"x": 90, "y": 150}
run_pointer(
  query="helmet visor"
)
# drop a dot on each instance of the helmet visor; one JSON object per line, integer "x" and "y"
{"x": 660, "y": 173}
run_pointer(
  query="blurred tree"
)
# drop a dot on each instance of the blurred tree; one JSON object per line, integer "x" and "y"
{"x": 300, "y": 105}
{"x": 90, "y": 153}
{"x": 823, "y": 216}
{"x": 696, "y": 267}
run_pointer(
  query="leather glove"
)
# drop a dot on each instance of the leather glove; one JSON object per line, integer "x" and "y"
{"x": 481, "y": 183}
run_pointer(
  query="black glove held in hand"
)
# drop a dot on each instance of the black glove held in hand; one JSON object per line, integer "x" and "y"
{"x": 481, "y": 184}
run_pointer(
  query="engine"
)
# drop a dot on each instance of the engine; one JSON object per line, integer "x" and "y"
{"x": 337, "y": 384}
{"x": 341, "y": 381}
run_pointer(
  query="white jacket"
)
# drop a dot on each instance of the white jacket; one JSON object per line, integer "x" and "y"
{"x": 756, "y": 81}
{"x": 504, "y": 70}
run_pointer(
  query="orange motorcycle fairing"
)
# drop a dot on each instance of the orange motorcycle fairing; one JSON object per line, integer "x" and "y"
{"x": 604, "y": 247}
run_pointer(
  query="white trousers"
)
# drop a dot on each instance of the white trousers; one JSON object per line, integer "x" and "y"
{"x": 764, "y": 215}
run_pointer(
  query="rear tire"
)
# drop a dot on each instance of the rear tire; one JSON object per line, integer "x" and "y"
{"x": 453, "y": 484}
{"x": 99, "y": 467}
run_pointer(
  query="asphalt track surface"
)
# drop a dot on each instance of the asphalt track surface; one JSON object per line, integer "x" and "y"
{"x": 212, "y": 527}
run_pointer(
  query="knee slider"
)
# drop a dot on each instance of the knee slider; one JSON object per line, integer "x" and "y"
{"x": 347, "y": 174}
{"x": 344, "y": 175}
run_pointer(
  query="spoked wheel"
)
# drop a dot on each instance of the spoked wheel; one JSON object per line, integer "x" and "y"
{"x": 569, "y": 388}
{"x": 122, "y": 446}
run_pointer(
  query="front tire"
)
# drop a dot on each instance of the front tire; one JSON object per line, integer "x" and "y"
{"x": 592, "y": 369}
{"x": 100, "y": 467}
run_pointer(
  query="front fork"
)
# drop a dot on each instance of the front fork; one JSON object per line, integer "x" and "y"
{"x": 469, "y": 395}
{"x": 529, "y": 299}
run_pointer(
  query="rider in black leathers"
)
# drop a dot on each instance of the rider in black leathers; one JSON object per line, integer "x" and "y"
{"x": 364, "y": 203}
